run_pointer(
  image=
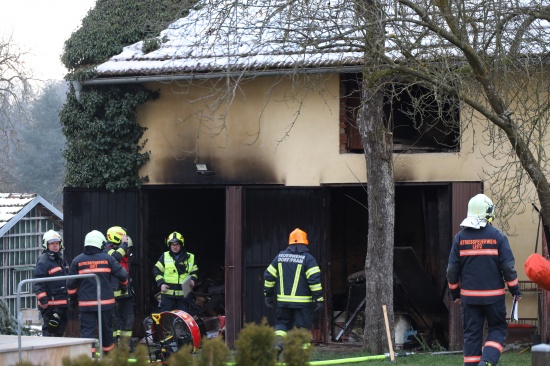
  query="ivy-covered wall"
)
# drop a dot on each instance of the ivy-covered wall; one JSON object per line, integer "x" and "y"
{"x": 103, "y": 149}
{"x": 103, "y": 136}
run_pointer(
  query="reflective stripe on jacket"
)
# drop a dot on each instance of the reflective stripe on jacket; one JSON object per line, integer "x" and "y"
{"x": 173, "y": 272}
{"x": 95, "y": 261}
{"x": 120, "y": 254}
{"x": 480, "y": 263}
{"x": 53, "y": 293}
{"x": 294, "y": 277}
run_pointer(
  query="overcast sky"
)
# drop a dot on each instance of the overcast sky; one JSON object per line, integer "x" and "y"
{"x": 41, "y": 27}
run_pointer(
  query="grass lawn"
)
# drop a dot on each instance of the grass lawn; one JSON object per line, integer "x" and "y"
{"x": 508, "y": 358}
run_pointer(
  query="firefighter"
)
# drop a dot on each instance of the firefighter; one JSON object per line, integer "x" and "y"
{"x": 172, "y": 268}
{"x": 293, "y": 279}
{"x": 480, "y": 263}
{"x": 83, "y": 291}
{"x": 52, "y": 296}
{"x": 119, "y": 246}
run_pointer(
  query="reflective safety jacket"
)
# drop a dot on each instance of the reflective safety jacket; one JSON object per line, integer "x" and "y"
{"x": 294, "y": 277}
{"x": 173, "y": 270}
{"x": 119, "y": 253}
{"x": 54, "y": 293}
{"x": 94, "y": 260}
{"x": 479, "y": 263}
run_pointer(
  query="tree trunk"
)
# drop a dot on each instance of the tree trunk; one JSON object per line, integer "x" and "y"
{"x": 378, "y": 145}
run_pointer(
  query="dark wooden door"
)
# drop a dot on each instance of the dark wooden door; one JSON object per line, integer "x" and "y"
{"x": 270, "y": 214}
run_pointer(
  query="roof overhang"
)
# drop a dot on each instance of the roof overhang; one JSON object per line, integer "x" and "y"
{"x": 215, "y": 75}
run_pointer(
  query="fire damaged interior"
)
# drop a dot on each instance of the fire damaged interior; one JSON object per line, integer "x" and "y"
{"x": 420, "y": 120}
{"x": 336, "y": 220}
{"x": 422, "y": 243}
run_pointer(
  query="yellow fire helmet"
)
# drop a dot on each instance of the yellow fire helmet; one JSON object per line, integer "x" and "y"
{"x": 115, "y": 234}
{"x": 174, "y": 237}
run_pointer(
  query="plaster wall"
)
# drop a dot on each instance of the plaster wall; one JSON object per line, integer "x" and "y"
{"x": 286, "y": 131}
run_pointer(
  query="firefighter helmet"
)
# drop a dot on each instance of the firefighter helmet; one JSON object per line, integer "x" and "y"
{"x": 130, "y": 242}
{"x": 298, "y": 237}
{"x": 174, "y": 237}
{"x": 95, "y": 238}
{"x": 481, "y": 207}
{"x": 115, "y": 234}
{"x": 51, "y": 236}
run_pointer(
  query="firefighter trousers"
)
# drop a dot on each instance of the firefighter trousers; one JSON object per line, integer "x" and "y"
{"x": 88, "y": 326}
{"x": 287, "y": 318}
{"x": 169, "y": 303}
{"x": 54, "y": 321}
{"x": 473, "y": 319}
{"x": 123, "y": 322}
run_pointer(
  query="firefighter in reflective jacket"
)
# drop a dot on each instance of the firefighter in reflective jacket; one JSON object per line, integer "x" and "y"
{"x": 52, "y": 296}
{"x": 83, "y": 291}
{"x": 294, "y": 279}
{"x": 480, "y": 263}
{"x": 172, "y": 268}
{"x": 118, "y": 246}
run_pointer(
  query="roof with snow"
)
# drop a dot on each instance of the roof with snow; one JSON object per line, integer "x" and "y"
{"x": 261, "y": 35}
{"x": 14, "y": 206}
{"x": 244, "y": 35}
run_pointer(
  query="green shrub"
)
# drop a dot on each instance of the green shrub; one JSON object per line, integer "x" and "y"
{"x": 255, "y": 345}
{"x": 297, "y": 348}
{"x": 183, "y": 357}
{"x": 150, "y": 44}
{"x": 113, "y": 24}
{"x": 142, "y": 356}
{"x": 118, "y": 356}
{"x": 81, "y": 360}
{"x": 8, "y": 325}
{"x": 214, "y": 352}
{"x": 24, "y": 363}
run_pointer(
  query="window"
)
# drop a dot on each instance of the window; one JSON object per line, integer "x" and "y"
{"x": 419, "y": 122}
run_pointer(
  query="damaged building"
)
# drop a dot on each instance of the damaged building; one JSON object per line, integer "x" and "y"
{"x": 240, "y": 158}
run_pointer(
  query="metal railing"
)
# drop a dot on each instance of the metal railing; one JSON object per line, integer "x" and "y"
{"x": 51, "y": 279}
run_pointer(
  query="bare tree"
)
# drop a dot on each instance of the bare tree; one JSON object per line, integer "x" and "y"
{"x": 14, "y": 93}
{"x": 492, "y": 56}
{"x": 38, "y": 162}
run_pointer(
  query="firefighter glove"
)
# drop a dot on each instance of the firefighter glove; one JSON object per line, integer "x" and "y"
{"x": 123, "y": 289}
{"x": 73, "y": 303}
{"x": 318, "y": 305}
{"x": 54, "y": 320}
{"x": 455, "y": 294}
{"x": 514, "y": 290}
{"x": 270, "y": 302}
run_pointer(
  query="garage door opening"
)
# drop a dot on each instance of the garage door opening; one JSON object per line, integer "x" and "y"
{"x": 422, "y": 243}
{"x": 199, "y": 215}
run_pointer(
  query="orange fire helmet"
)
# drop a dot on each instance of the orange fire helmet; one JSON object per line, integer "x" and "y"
{"x": 298, "y": 237}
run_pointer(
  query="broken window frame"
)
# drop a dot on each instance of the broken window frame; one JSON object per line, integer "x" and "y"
{"x": 436, "y": 131}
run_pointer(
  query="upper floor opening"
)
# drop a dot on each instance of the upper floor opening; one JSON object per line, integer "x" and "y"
{"x": 421, "y": 121}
